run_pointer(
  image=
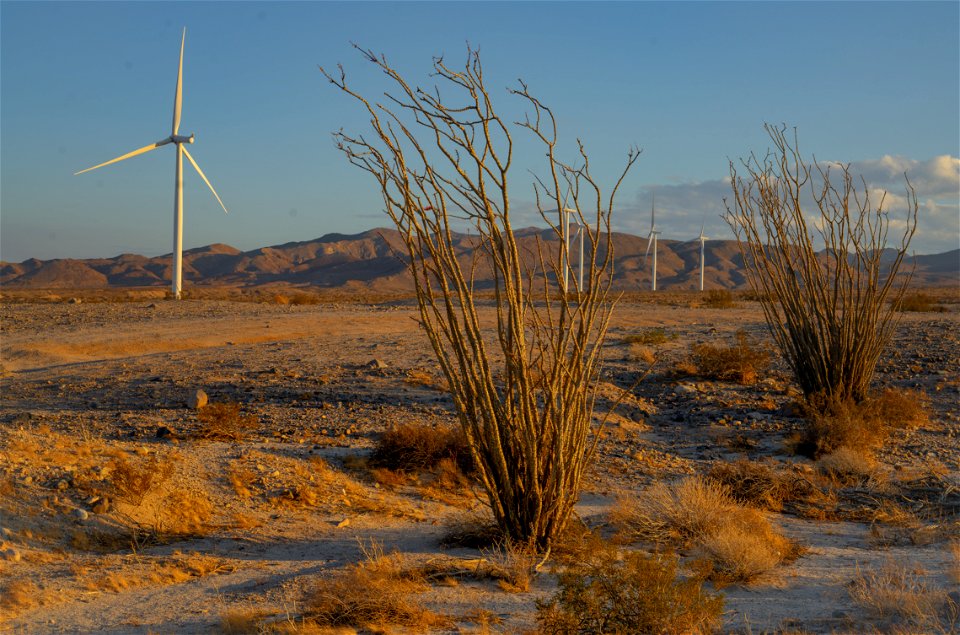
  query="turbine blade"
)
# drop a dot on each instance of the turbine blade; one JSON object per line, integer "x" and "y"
{"x": 178, "y": 98}
{"x": 148, "y": 148}
{"x": 653, "y": 212}
{"x": 646, "y": 254}
{"x": 203, "y": 176}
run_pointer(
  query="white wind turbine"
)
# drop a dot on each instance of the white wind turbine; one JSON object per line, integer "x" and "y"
{"x": 178, "y": 140}
{"x": 652, "y": 240}
{"x": 703, "y": 240}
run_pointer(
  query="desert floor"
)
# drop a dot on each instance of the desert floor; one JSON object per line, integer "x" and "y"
{"x": 247, "y": 526}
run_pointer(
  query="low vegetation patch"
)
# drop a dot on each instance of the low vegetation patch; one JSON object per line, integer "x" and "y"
{"x": 379, "y": 592}
{"x": 649, "y": 337}
{"x": 920, "y": 302}
{"x": 901, "y": 596}
{"x": 224, "y": 422}
{"x": 758, "y": 484}
{"x": 614, "y": 591}
{"x": 413, "y": 447}
{"x": 738, "y": 543}
{"x": 863, "y": 426}
{"x": 719, "y": 299}
{"x": 740, "y": 362}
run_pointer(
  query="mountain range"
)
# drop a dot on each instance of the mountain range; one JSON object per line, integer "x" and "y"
{"x": 375, "y": 260}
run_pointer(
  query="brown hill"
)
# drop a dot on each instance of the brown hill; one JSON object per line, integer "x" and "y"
{"x": 375, "y": 260}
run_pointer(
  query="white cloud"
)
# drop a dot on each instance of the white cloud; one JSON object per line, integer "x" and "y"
{"x": 681, "y": 208}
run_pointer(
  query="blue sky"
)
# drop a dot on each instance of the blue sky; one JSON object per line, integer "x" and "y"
{"x": 874, "y": 84}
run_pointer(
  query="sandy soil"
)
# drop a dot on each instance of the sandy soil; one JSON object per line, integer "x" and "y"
{"x": 84, "y": 384}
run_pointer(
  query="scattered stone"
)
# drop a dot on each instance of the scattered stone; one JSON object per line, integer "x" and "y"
{"x": 377, "y": 364}
{"x": 74, "y": 301}
{"x": 80, "y": 514}
{"x": 102, "y": 506}
{"x": 27, "y": 480}
{"x": 10, "y": 554}
{"x": 62, "y": 484}
{"x": 343, "y": 523}
{"x": 163, "y": 432}
{"x": 197, "y": 400}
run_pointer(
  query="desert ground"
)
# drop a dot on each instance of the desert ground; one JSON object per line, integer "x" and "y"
{"x": 123, "y": 509}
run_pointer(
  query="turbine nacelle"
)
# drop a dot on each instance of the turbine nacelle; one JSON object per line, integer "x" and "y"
{"x": 177, "y": 138}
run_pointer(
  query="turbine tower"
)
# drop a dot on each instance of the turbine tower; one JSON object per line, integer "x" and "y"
{"x": 703, "y": 240}
{"x": 178, "y": 140}
{"x": 652, "y": 240}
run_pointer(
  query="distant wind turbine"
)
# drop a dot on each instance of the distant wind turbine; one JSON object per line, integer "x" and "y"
{"x": 178, "y": 140}
{"x": 703, "y": 240}
{"x": 652, "y": 240}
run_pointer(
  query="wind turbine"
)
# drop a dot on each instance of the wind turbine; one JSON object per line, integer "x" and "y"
{"x": 652, "y": 240}
{"x": 703, "y": 240}
{"x": 178, "y": 140}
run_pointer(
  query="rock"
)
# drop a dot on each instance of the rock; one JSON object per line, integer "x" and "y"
{"x": 197, "y": 400}
{"x": 343, "y": 523}
{"x": 74, "y": 301}
{"x": 152, "y": 305}
{"x": 80, "y": 514}
{"x": 10, "y": 554}
{"x": 102, "y": 506}
{"x": 62, "y": 484}
{"x": 163, "y": 432}
{"x": 377, "y": 364}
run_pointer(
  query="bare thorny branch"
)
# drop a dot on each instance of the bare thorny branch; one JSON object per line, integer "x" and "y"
{"x": 525, "y": 394}
{"x": 830, "y": 312}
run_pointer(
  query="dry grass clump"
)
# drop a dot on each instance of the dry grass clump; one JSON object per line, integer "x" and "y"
{"x": 413, "y": 447}
{"x": 719, "y": 299}
{"x": 184, "y": 513}
{"x": 759, "y": 484}
{"x": 901, "y": 596}
{"x": 17, "y": 596}
{"x": 919, "y": 302}
{"x": 849, "y": 466}
{"x": 740, "y": 362}
{"x": 242, "y": 621}
{"x": 377, "y": 592}
{"x": 224, "y": 422}
{"x": 132, "y": 482}
{"x": 953, "y": 573}
{"x": 863, "y": 426}
{"x": 738, "y": 542}
{"x": 628, "y": 592}
{"x": 649, "y": 337}
{"x": 165, "y": 571}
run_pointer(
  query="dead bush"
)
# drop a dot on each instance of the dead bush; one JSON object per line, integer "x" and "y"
{"x": 848, "y": 466}
{"x": 412, "y": 447}
{"x": 183, "y": 513}
{"x": 759, "y": 484}
{"x": 628, "y": 592}
{"x": 738, "y": 542}
{"x": 740, "y": 362}
{"x": 378, "y": 591}
{"x": 918, "y": 301}
{"x": 900, "y": 595}
{"x": 744, "y": 547}
{"x": 650, "y": 337}
{"x": 224, "y": 422}
{"x": 17, "y": 596}
{"x": 863, "y": 426}
{"x": 131, "y": 483}
{"x": 719, "y": 299}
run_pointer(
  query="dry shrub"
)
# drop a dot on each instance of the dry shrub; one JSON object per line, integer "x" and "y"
{"x": 428, "y": 380}
{"x": 375, "y": 592}
{"x": 919, "y": 302}
{"x": 740, "y": 362}
{"x": 744, "y": 547}
{"x": 899, "y": 594}
{"x": 280, "y": 299}
{"x": 738, "y": 542}
{"x": 629, "y": 592}
{"x": 131, "y": 483}
{"x": 241, "y": 479}
{"x": 848, "y": 466}
{"x": 673, "y": 513}
{"x": 412, "y": 447}
{"x": 758, "y": 484}
{"x": 863, "y": 426}
{"x": 19, "y": 595}
{"x": 649, "y": 337}
{"x": 224, "y": 422}
{"x": 472, "y": 530}
{"x": 242, "y": 621}
{"x": 641, "y": 353}
{"x": 184, "y": 513}
{"x": 719, "y": 299}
